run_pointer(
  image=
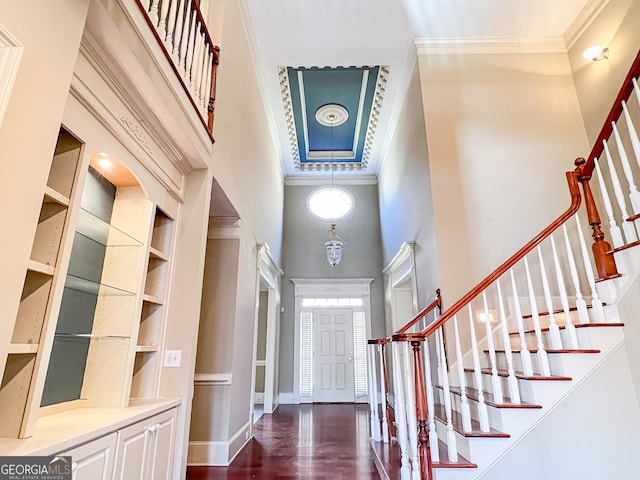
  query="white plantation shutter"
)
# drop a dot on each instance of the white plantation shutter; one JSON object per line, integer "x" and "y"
{"x": 360, "y": 353}
{"x": 306, "y": 354}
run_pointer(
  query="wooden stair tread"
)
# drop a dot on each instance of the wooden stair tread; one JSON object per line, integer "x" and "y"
{"x": 444, "y": 459}
{"x": 456, "y": 420}
{"x": 628, "y": 245}
{"x": 577, "y": 325}
{"x": 555, "y": 312}
{"x": 472, "y": 394}
{"x": 522, "y": 376}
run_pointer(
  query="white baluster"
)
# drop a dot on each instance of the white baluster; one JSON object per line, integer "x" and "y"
{"x": 383, "y": 396}
{"x": 197, "y": 63}
{"x": 596, "y": 303}
{"x": 543, "y": 360}
{"x": 439, "y": 363}
{"x": 185, "y": 39}
{"x": 452, "y": 447}
{"x": 400, "y": 413}
{"x": 171, "y": 25}
{"x": 412, "y": 421}
{"x": 634, "y": 195}
{"x": 203, "y": 79}
{"x": 431, "y": 402}
{"x": 465, "y": 411}
{"x": 628, "y": 229}
{"x": 564, "y": 299}
{"x": 633, "y": 133}
{"x": 180, "y": 33}
{"x": 614, "y": 229}
{"x": 190, "y": 47}
{"x": 636, "y": 89}
{"x": 162, "y": 24}
{"x": 554, "y": 330}
{"x": 512, "y": 381}
{"x": 153, "y": 13}
{"x": 525, "y": 355}
{"x": 207, "y": 90}
{"x": 496, "y": 384}
{"x": 581, "y": 304}
{"x": 483, "y": 415}
{"x": 373, "y": 394}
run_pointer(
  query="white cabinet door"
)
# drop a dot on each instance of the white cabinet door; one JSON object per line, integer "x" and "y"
{"x": 145, "y": 449}
{"x": 161, "y": 452}
{"x": 133, "y": 451}
{"x": 94, "y": 460}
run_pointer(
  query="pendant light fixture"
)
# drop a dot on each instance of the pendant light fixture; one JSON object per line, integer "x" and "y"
{"x": 333, "y": 247}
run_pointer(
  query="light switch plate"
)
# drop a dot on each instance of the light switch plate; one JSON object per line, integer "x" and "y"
{"x": 172, "y": 358}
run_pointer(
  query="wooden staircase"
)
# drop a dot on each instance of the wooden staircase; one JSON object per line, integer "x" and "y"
{"x": 529, "y": 375}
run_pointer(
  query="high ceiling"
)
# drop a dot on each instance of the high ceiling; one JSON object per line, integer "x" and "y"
{"x": 352, "y": 57}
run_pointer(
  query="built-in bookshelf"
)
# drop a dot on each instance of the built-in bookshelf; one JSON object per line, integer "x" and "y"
{"x": 20, "y": 382}
{"x": 151, "y": 329}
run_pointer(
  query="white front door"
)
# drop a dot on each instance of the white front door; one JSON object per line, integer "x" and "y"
{"x": 333, "y": 373}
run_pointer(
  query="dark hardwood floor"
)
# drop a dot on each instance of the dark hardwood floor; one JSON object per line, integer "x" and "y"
{"x": 316, "y": 442}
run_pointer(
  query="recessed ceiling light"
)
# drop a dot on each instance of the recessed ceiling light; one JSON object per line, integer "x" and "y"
{"x": 105, "y": 163}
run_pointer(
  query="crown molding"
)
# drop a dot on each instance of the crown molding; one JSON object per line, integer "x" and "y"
{"x": 323, "y": 180}
{"x": 584, "y": 19}
{"x": 488, "y": 45}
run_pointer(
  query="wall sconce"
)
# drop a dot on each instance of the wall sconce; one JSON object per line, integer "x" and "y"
{"x": 596, "y": 53}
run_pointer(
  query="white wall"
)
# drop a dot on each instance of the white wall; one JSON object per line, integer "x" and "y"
{"x": 502, "y": 129}
{"x": 246, "y": 167}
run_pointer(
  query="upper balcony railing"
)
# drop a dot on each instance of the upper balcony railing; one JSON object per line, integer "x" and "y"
{"x": 181, "y": 31}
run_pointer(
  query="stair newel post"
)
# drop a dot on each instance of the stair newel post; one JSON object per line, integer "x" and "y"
{"x": 410, "y": 402}
{"x": 422, "y": 413}
{"x": 212, "y": 90}
{"x": 373, "y": 392}
{"x": 385, "y": 393}
{"x": 605, "y": 262}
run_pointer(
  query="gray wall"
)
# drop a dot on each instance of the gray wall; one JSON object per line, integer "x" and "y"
{"x": 406, "y": 204}
{"x": 303, "y": 256}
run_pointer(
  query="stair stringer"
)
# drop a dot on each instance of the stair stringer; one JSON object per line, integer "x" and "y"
{"x": 489, "y": 452}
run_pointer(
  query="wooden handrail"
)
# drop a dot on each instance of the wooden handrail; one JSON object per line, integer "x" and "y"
{"x": 572, "y": 180}
{"x": 614, "y": 114}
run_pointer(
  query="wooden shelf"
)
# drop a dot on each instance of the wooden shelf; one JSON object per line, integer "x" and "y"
{"x": 146, "y": 348}
{"x": 155, "y": 253}
{"x": 53, "y": 196}
{"x": 40, "y": 267}
{"x": 152, "y": 299}
{"x": 20, "y": 348}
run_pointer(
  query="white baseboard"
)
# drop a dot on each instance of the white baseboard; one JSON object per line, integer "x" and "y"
{"x": 218, "y": 453}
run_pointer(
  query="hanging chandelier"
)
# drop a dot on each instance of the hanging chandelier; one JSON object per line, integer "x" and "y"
{"x": 334, "y": 246}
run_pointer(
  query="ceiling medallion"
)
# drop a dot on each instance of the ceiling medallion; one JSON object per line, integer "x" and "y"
{"x": 331, "y": 115}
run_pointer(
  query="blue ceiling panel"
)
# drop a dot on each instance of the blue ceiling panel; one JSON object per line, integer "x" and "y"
{"x": 350, "y": 87}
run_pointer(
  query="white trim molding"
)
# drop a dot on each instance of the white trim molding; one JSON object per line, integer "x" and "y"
{"x": 488, "y": 45}
{"x": 10, "y": 57}
{"x": 584, "y": 19}
{"x": 321, "y": 288}
{"x": 401, "y": 268}
{"x": 212, "y": 379}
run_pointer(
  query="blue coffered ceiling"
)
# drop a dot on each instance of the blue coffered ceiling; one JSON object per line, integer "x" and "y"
{"x": 358, "y": 90}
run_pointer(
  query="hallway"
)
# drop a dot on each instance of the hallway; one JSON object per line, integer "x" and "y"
{"x": 319, "y": 442}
